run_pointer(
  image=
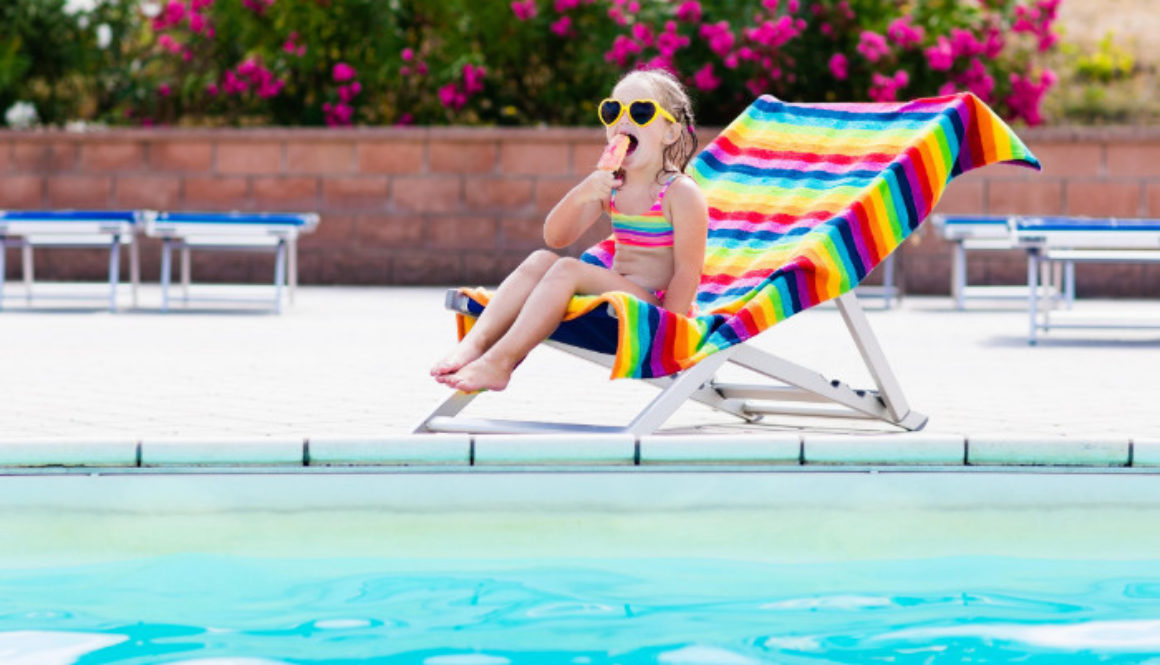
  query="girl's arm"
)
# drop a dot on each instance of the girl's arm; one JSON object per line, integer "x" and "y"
{"x": 579, "y": 209}
{"x": 690, "y": 216}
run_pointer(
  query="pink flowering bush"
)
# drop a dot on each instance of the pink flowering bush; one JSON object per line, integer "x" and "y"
{"x": 339, "y": 63}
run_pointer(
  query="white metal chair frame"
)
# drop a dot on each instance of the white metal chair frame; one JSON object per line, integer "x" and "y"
{"x": 800, "y": 391}
{"x": 70, "y": 230}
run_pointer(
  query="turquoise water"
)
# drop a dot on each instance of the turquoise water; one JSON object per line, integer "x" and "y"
{"x": 243, "y": 610}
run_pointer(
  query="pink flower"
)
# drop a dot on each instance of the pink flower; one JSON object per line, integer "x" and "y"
{"x": 452, "y": 97}
{"x": 408, "y": 55}
{"x": 940, "y": 57}
{"x": 561, "y": 26}
{"x": 689, "y": 11}
{"x": 197, "y": 23}
{"x": 169, "y": 44}
{"x": 524, "y": 10}
{"x": 770, "y": 5}
{"x": 872, "y": 46}
{"x": 338, "y": 115}
{"x": 473, "y": 79}
{"x": 343, "y": 72}
{"x": 669, "y": 42}
{"x": 198, "y": 5}
{"x": 405, "y": 119}
{"x": 642, "y": 33}
{"x": 964, "y": 44}
{"x": 211, "y": 89}
{"x": 622, "y": 51}
{"x": 719, "y": 37}
{"x": 904, "y": 34}
{"x": 164, "y": 90}
{"x": 839, "y": 66}
{"x": 705, "y": 80}
{"x": 885, "y": 88}
{"x": 566, "y": 5}
{"x": 1027, "y": 95}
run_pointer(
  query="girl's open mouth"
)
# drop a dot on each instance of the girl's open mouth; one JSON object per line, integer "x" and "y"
{"x": 632, "y": 142}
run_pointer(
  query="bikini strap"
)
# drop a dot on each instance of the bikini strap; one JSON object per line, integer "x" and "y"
{"x": 665, "y": 187}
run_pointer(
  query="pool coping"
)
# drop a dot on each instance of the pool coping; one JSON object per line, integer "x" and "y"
{"x": 783, "y": 451}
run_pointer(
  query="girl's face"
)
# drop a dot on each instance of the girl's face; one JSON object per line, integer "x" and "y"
{"x": 646, "y": 144}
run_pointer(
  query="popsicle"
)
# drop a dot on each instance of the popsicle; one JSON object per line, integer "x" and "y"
{"x": 613, "y": 154}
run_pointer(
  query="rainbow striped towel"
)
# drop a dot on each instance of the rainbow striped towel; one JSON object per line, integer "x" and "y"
{"x": 804, "y": 201}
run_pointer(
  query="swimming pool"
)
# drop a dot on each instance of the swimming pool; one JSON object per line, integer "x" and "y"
{"x": 580, "y": 567}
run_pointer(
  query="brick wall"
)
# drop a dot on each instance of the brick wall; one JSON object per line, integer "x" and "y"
{"x": 459, "y": 205}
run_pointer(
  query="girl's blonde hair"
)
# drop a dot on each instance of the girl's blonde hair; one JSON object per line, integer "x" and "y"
{"x": 673, "y": 97}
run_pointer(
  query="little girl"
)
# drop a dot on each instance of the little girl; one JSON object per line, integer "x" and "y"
{"x": 659, "y": 220}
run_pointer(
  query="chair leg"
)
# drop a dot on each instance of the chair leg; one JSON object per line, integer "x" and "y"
{"x": 135, "y": 265}
{"x": 291, "y": 269}
{"x": 186, "y": 274}
{"x": 29, "y": 270}
{"x": 677, "y": 393}
{"x": 279, "y": 274}
{"x": 888, "y": 388}
{"x": 448, "y": 409}
{"x": 3, "y": 253}
{"x": 166, "y": 272}
{"x": 114, "y": 271}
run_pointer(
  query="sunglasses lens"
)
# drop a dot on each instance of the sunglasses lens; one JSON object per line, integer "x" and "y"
{"x": 642, "y": 112}
{"x": 609, "y": 111}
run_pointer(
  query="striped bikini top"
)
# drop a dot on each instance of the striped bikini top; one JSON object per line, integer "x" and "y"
{"x": 649, "y": 229}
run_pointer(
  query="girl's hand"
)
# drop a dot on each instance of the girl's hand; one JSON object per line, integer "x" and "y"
{"x": 598, "y": 185}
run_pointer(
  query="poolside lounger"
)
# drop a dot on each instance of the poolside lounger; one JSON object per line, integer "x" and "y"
{"x": 1056, "y": 244}
{"x": 804, "y": 201}
{"x": 71, "y": 229}
{"x": 275, "y": 233}
{"x": 971, "y": 233}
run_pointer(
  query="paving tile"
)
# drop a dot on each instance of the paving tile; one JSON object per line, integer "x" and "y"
{"x": 399, "y": 450}
{"x": 756, "y": 449}
{"x": 1039, "y": 450}
{"x": 1146, "y": 452}
{"x": 75, "y": 451}
{"x": 910, "y": 448}
{"x": 554, "y": 449}
{"x": 212, "y": 451}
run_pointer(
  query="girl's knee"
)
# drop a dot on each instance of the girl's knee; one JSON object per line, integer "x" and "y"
{"x": 539, "y": 261}
{"x": 565, "y": 267}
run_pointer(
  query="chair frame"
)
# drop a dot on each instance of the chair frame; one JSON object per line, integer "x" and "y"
{"x": 800, "y": 391}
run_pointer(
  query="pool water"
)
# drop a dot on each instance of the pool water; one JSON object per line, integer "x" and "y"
{"x": 577, "y": 568}
{"x": 219, "y": 610}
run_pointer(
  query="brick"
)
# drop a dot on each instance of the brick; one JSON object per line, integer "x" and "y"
{"x": 293, "y": 194}
{"x": 194, "y": 156}
{"x": 320, "y": 157}
{"x": 427, "y": 194}
{"x": 1154, "y": 200}
{"x": 21, "y": 191}
{"x": 390, "y": 231}
{"x": 355, "y": 192}
{"x": 333, "y": 231}
{"x": 521, "y": 158}
{"x": 1116, "y": 280}
{"x": 390, "y": 157}
{"x": 427, "y": 268}
{"x": 258, "y": 157}
{"x": 345, "y": 267}
{"x": 585, "y": 156}
{"x": 1134, "y": 159}
{"x": 217, "y": 193}
{"x": 155, "y": 192}
{"x": 961, "y": 198}
{"x": 1070, "y": 159}
{"x": 1038, "y": 197}
{"x": 44, "y": 157}
{"x": 549, "y": 192}
{"x": 462, "y": 157}
{"x": 503, "y": 193}
{"x": 521, "y": 233}
{"x": 112, "y": 156}
{"x": 462, "y": 232}
{"x": 1103, "y": 199}
{"x": 79, "y": 191}
{"x": 489, "y": 267}
{"x": 5, "y": 156}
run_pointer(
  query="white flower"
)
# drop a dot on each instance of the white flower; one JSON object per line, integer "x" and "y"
{"x": 104, "y": 36}
{"x": 150, "y": 9}
{"x": 21, "y": 115}
{"x": 74, "y": 7}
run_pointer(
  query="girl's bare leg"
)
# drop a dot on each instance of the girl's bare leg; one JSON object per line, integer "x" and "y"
{"x": 499, "y": 314}
{"x": 540, "y": 315}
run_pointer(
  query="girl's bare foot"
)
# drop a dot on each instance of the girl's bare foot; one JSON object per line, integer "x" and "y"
{"x": 463, "y": 353}
{"x": 479, "y": 375}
